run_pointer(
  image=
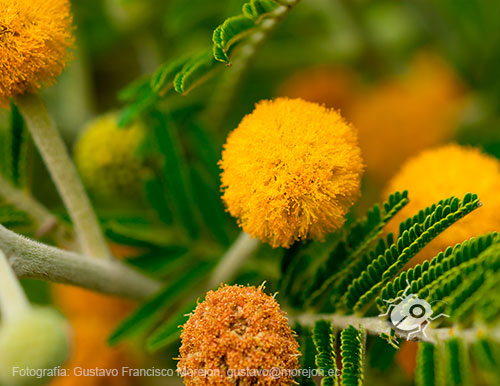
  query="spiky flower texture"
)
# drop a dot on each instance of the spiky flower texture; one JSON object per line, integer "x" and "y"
{"x": 291, "y": 171}
{"x": 34, "y": 40}
{"x": 236, "y": 329}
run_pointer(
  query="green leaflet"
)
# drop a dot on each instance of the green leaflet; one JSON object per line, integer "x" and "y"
{"x": 230, "y": 32}
{"x": 352, "y": 343}
{"x": 425, "y": 373}
{"x": 175, "y": 172}
{"x": 456, "y": 364}
{"x": 324, "y": 340}
{"x": 170, "y": 331}
{"x": 259, "y": 9}
{"x": 487, "y": 356}
{"x": 155, "y": 194}
{"x": 196, "y": 70}
{"x": 14, "y": 140}
{"x": 151, "y": 312}
{"x": 350, "y": 254}
{"x": 162, "y": 80}
{"x": 140, "y": 98}
{"x": 308, "y": 349}
{"x": 209, "y": 205}
{"x": 11, "y": 217}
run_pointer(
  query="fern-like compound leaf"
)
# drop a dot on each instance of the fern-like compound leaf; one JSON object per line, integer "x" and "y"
{"x": 487, "y": 356}
{"x": 353, "y": 352}
{"x": 324, "y": 340}
{"x": 423, "y": 274}
{"x": 347, "y": 260}
{"x": 457, "y": 369}
{"x": 259, "y": 9}
{"x": 381, "y": 270}
{"x": 425, "y": 373}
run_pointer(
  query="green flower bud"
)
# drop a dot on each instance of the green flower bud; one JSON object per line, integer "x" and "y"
{"x": 109, "y": 160}
{"x": 36, "y": 339}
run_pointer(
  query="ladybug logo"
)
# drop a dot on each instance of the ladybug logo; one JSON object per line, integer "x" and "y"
{"x": 410, "y": 314}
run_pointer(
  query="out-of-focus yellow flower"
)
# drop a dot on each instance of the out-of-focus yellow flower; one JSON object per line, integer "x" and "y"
{"x": 291, "y": 171}
{"x": 332, "y": 86}
{"x": 405, "y": 115}
{"x": 450, "y": 170}
{"x": 91, "y": 352}
{"x": 237, "y": 328}
{"x": 94, "y": 317}
{"x": 77, "y": 303}
{"x": 34, "y": 39}
{"x": 107, "y": 158}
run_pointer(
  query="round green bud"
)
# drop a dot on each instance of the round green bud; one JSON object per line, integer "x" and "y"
{"x": 109, "y": 159}
{"x": 35, "y": 340}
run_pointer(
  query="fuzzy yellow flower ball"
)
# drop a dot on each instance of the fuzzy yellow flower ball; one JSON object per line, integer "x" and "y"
{"x": 34, "y": 38}
{"x": 404, "y": 115}
{"x": 237, "y": 329}
{"x": 291, "y": 171}
{"x": 450, "y": 170}
{"x": 107, "y": 158}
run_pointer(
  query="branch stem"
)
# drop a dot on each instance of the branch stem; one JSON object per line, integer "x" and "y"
{"x": 234, "y": 258}
{"x": 12, "y": 298}
{"x": 64, "y": 174}
{"x": 43, "y": 218}
{"x": 38, "y": 261}
{"x": 376, "y": 326}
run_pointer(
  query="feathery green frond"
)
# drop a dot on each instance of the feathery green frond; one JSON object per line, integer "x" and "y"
{"x": 425, "y": 373}
{"x": 456, "y": 363}
{"x": 324, "y": 340}
{"x": 353, "y": 352}
{"x": 363, "y": 289}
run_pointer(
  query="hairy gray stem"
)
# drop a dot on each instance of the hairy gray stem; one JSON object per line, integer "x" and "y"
{"x": 31, "y": 259}
{"x": 64, "y": 174}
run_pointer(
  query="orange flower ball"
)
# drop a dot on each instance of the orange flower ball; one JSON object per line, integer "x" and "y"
{"x": 237, "y": 328}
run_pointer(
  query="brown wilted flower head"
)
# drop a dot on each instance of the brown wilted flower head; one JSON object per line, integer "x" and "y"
{"x": 238, "y": 336}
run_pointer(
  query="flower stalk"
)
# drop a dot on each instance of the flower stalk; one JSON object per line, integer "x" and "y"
{"x": 64, "y": 175}
{"x": 233, "y": 259}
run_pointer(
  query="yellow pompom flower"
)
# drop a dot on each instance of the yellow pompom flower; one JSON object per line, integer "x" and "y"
{"x": 107, "y": 158}
{"x": 450, "y": 170}
{"x": 34, "y": 39}
{"x": 237, "y": 329}
{"x": 291, "y": 171}
{"x": 405, "y": 115}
